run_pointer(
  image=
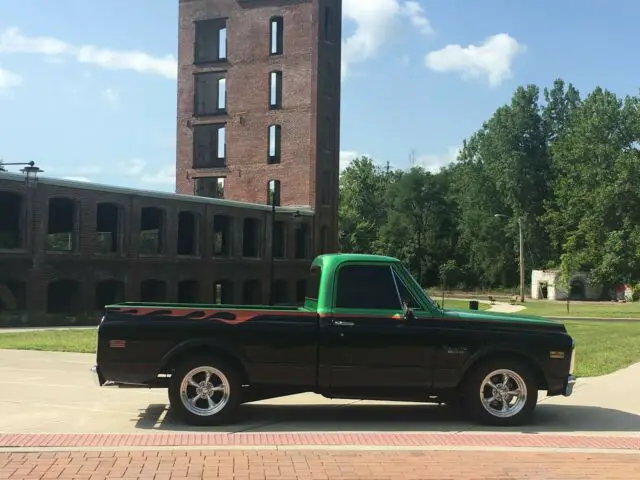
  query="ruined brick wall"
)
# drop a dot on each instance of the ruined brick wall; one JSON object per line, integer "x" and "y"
{"x": 35, "y": 267}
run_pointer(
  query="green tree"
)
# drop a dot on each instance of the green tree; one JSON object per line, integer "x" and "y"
{"x": 362, "y": 210}
{"x": 594, "y": 215}
{"x": 418, "y": 229}
{"x": 560, "y": 106}
{"x": 489, "y": 256}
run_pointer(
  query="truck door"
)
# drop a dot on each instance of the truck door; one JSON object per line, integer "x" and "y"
{"x": 367, "y": 343}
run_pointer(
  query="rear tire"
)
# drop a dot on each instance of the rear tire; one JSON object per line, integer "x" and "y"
{"x": 491, "y": 401}
{"x": 205, "y": 391}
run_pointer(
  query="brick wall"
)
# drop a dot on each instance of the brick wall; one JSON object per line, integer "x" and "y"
{"x": 307, "y": 76}
{"x": 36, "y": 267}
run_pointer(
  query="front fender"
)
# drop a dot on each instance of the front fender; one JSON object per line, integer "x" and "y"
{"x": 506, "y": 349}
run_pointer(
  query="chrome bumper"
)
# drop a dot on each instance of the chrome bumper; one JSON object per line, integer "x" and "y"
{"x": 567, "y": 390}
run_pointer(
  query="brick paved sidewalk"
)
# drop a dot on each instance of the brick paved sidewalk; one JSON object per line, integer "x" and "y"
{"x": 364, "y": 439}
{"x": 317, "y": 465}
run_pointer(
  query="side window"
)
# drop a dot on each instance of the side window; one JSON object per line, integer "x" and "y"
{"x": 367, "y": 286}
{"x": 405, "y": 294}
{"x": 313, "y": 286}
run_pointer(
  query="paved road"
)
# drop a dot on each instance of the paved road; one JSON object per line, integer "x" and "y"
{"x": 49, "y": 392}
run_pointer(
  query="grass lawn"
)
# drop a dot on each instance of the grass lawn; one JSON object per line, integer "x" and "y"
{"x": 601, "y": 347}
{"x": 81, "y": 341}
{"x": 547, "y": 308}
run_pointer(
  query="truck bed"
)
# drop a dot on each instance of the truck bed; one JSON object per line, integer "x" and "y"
{"x": 198, "y": 311}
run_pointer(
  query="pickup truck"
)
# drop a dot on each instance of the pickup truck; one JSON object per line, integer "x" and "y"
{"x": 367, "y": 330}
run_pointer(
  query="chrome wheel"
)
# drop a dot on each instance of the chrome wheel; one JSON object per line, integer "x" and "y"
{"x": 503, "y": 393}
{"x": 205, "y": 391}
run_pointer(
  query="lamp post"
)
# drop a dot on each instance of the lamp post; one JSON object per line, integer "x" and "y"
{"x": 295, "y": 214}
{"x": 30, "y": 171}
{"x": 273, "y": 249}
{"x": 521, "y": 252}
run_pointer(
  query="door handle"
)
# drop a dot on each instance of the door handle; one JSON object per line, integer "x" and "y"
{"x": 340, "y": 323}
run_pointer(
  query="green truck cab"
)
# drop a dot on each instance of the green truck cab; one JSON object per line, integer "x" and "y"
{"x": 367, "y": 330}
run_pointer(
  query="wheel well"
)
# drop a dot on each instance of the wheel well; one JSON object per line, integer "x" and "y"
{"x": 540, "y": 377}
{"x": 205, "y": 351}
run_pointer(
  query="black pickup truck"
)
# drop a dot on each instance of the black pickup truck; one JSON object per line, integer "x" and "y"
{"x": 367, "y": 330}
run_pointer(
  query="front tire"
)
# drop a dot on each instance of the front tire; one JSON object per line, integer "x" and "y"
{"x": 501, "y": 392}
{"x": 205, "y": 391}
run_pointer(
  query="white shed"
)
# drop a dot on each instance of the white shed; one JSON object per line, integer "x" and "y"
{"x": 547, "y": 284}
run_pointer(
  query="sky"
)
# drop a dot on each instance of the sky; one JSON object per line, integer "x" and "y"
{"x": 88, "y": 89}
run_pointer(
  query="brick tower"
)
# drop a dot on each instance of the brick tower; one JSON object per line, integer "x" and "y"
{"x": 259, "y": 104}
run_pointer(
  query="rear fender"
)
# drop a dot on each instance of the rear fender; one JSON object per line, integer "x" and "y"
{"x": 205, "y": 346}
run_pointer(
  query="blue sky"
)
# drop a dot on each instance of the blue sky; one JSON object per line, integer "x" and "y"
{"x": 87, "y": 89}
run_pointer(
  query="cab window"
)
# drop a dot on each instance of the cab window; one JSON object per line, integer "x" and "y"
{"x": 367, "y": 287}
{"x": 313, "y": 285}
{"x": 406, "y": 295}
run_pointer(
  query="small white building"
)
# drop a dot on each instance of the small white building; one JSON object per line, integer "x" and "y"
{"x": 547, "y": 285}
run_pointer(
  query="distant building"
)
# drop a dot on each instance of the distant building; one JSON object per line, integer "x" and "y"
{"x": 547, "y": 285}
{"x": 68, "y": 248}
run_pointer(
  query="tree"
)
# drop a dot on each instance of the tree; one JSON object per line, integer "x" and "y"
{"x": 594, "y": 215}
{"x": 560, "y": 107}
{"x": 418, "y": 228}
{"x": 362, "y": 205}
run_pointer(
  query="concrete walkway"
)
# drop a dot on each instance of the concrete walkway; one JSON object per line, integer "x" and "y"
{"x": 68, "y": 402}
{"x": 70, "y": 428}
{"x": 498, "y": 307}
{"x": 501, "y": 307}
{"x": 43, "y": 329}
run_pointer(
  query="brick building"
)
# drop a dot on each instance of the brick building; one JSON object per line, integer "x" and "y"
{"x": 68, "y": 248}
{"x": 259, "y": 104}
{"x": 258, "y": 123}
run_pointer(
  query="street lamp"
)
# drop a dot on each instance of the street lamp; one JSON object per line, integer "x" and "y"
{"x": 30, "y": 171}
{"x": 500, "y": 215}
{"x": 294, "y": 215}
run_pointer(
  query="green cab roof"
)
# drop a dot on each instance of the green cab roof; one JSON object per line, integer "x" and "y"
{"x": 335, "y": 259}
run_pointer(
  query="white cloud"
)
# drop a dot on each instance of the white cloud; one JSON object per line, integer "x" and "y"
{"x": 433, "y": 162}
{"x": 13, "y": 41}
{"x": 9, "y": 79}
{"x": 78, "y": 179}
{"x": 134, "y": 167}
{"x": 137, "y": 168}
{"x": 346, "y": 157}
{"x": 89, "y": 170}
{"x": 111, "y": 96}
{"x": 375, "y": 20}
{"x": 493, "y": 58}
{"x": 164, "y": 176}
{"x": 415, "y": 13}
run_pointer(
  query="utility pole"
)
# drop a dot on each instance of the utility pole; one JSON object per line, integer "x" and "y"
{"x": 521, "y": 253}
{"x": 388, "y": 166}
{"x": 521, "y": 260}
{"x": 412, "y": 158}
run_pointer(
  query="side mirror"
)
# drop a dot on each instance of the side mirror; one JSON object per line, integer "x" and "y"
{"x": 409, "y": 316}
